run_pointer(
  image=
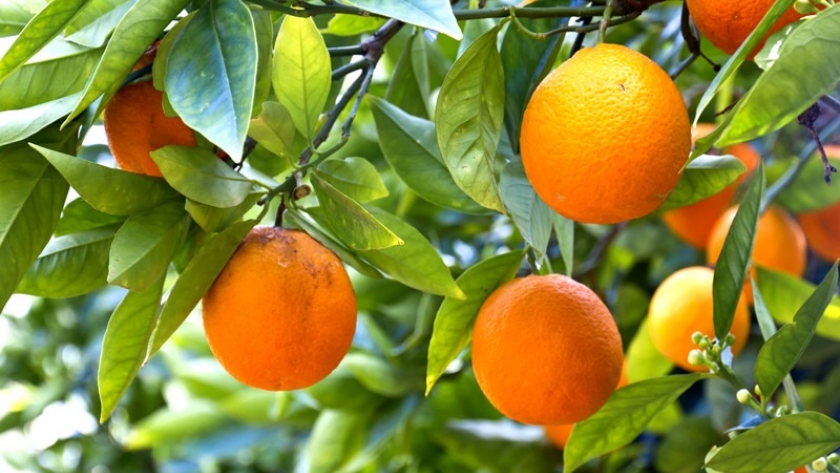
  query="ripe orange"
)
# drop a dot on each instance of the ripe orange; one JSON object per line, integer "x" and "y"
{"x": 136, "y": 125}
{"x": 682, "y": 305}
{"x": 282, "y": 313}
{"x": 779, "y": 243}
{"x": 693, "y": 223}
{"x": 546, "y": 350}
{"x": 605, "y": 135}
{"x": 559, "y": 434}
{"x": 726, "y": 23}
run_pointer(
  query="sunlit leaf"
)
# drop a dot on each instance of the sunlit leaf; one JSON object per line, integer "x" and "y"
{"x": 356, "y": 178}
{"x": 784, "y": 295}
{"x": 432, "y": 14}
{"x": 704, "y": 176}
{"x": 201, "y": 176}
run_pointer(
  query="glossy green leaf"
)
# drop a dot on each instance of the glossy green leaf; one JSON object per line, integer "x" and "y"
{"x": 335, "y": 439}
{"x": 784, "y": 294}
{"x": 274, "y": 129}
{"x": 408, "y": 88}
{"x": 126, "y": 343}
{"x": 349, "y": 221}
{"x": 110, "y": 190}
{"x": 415, "y": 263}
{"x": 200, "y": 175}
{"x": 210, "y": 257}
{"x": 624, "y": 417}
{"x": 783, "y": 350}
{"x": 162, "y": 55}
{"x": 779, "y": 445}
{"x": 704, "y": 176}
{"x": 211, "y": 73}
{"x": 644, "y": 361}
{"x": 96, "y": 22}
{"x": 78, "y": 216}
{"x": 19, "y": 124}
{"x": 454, "y": 320}
{"x": 145, "y": 245}
{"x": 468, "y": 119}
{"x": 431, "y": 14}
{"x": 781, "y": 92}
{"x": 734, "y": 259}
{"x": 808, "y": 192}
{"x": 352, "y": 25}
{"x": 410, "y": 147}
{"x": 70, "y": 265}
{"x": 301, "y": 75}
{"x": 529, "y": 213}
{"x": 31, "y": 200}
{"x": 140, "y": 26}
{"x": 381, "y": 377}
{"x": 40, "y": 30}
{"x": 214, "y": 219}
{"x": 356, "y": 178}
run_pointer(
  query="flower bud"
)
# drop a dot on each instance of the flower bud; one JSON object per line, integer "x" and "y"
{"x": 820, "y": 464}
{"x": 744, "y": 396}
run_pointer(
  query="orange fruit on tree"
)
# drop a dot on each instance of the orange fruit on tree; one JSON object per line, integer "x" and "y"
{"x": 546, "y": 350}
{"x": 693, "y": 223}
{"x": 682, "y": 305}
{"x": 726, "y": 23}
{"x": 136, "y": 125}
{"x": 822, "y": 227}
{"x": 779, "y": 243}
{"x": 605, "y": 135}
{"x": 559, "y": 434}
{"x": 282, "y": 313}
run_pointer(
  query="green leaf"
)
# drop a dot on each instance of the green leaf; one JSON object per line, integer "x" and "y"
{"x": 408, "y": 88}
{"x": 624, "y": 417}
{"x": 784, "y": 294}
{"x": 140, "y": 26}
{"x": 783, "y": 350}
{"x": 78, "y": 216}
{"x": 644, "y": 360}
{"x": 30, "y": 204}
{"x": 341, "y": 390}
{"x": 335, "y": 439}
{"x": 96, "y": 22}
{"x": 704, "y": 176}
{"x": 274, "y": 129}
{"x": 380, "y": 377}
{"x": 781, "y": 92}
{"x": 415, "y": 263}
{"x": 410, "y": 147}
{"x": 211, "y": 256}
{"x": 564, "y": 229}
{"x": 529, "y": 213}
{"x": 356, "y": 178}
{"x": 200, "y": 175}
{"x": 70, "y": 265}
{"x": 468, "y": 119}
{"x": 211, "y": 73}
{"x": 126, "y": 343}
{"x": 167, "y": 426}
{"x": 349, "y": 221}
{"x": 40, "y": 30}
{"x": 19, "y": 124}
{"x": 92, "y": 11}
{"x": 301, "y": 75}
{"x": 807, "y": 193}
{"x": 352, "y": 25}
{"x": 145, "y": 245}
{"x": 734, "y": 259}
{"x": 452, "y": 330}
{"x": 107, "y": 189}
{"x": 685, "y": 445}
{"x": 214, "y": 219}
{"x": 779, "y": 445}
{"x": 431, "y": 14}
{"x": 15, "y": 15}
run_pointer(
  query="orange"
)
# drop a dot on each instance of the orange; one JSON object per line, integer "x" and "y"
{"x": 822, "y": 227}
{"x": 136, "y": 125}
{"x": 546, "y": 350}
{"x": 727, "y": 23}
{"x": 559, "y": 434}
{"x": 693, "y": 223}
{"x": 605, "y": 135}
{"x": 282, "y": 313}
{"x": 682, "y": 305}
{"x": 779, "y": 243}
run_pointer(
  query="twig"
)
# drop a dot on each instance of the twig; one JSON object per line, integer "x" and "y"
{"x": 807, "y": 119}
{"x": 346, "y": 50}
{"x": 342, "y": 71}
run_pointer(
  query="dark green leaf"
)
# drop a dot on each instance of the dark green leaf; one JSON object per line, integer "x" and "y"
{"x": 468, "y": 119}
{"x": 213, "y": 219}
{"x": 779, "y": 445}
{"x": 78, "y": 216}
{"x": 624, "y": 417}
{"x": 408, "y": 88}
{"x": 211, "y": 73}
{"x": 704, "y": 176}
{"x": 110, "y": 190}
{"x": 145, "y": 245}
{"x": 431, "y": 14}
{"x": 200, "y": 175}
{"x": 70, "y": 265}
{"x": 734, "y": 259}
{"x": 126, "y": 343}
{"x": 410, "y": 147}
{"x": 530, "y": 214}
{"x": 684, "y": 447}
{"x": 455, "y": 318}
{"x": 356, "y": 178}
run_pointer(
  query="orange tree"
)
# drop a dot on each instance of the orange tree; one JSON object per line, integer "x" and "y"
{"x": 388, "y": 132}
